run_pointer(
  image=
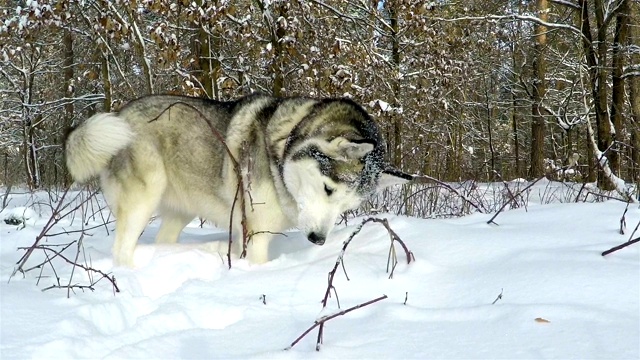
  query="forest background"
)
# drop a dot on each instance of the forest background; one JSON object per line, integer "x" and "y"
{"x": 483, "y": 90}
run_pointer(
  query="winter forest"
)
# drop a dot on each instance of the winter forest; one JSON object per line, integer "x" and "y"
{"x": 482, "y": 90}
{"x": 519, "y": 119}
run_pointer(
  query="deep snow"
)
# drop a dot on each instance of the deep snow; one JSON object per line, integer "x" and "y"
{"x": 182, "y": 301}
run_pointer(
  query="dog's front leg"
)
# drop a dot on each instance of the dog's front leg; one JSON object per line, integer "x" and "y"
{"x": 258, "y": 248}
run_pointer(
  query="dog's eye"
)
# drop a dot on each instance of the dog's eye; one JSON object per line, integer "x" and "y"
{"x": 328, "y": 190}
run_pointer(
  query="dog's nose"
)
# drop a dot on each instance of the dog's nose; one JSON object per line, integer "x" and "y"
{"x": 317, "y": 239}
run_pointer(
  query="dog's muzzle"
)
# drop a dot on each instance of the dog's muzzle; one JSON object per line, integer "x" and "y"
{"x": 317, "y": 239}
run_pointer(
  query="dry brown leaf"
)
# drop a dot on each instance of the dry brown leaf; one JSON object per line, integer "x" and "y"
{"x": 542, "y": 320}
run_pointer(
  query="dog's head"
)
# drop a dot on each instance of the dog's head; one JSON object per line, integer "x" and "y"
{"x": 334, "y": 161}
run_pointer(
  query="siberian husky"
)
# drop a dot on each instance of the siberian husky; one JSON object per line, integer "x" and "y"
{"x": 303, "y": 162}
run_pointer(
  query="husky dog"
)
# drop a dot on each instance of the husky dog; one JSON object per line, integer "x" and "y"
{"x": 303, "y": 162}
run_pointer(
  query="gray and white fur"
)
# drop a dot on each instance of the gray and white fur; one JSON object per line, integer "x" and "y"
{"x": 303, "y": 161}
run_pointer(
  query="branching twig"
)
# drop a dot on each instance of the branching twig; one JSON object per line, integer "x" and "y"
{"x": 53, "y": 251}
{"x": 88, "y": 269}
{"x": 56, "y": 216}
{"x": 504, "y": 205}
{"x": 424, "y": 179}
{"x": 320, "y": 322}
{"x": 340, "y": 260}
{"x": 513, "y": 197}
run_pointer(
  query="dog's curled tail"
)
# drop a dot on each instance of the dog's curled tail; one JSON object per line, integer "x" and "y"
{"x": 90, "y": 147}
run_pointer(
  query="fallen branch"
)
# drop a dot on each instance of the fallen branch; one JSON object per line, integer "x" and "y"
{"x": 340, "y": 261}
{"x": 621, "y": 246}
{"x": 498, "y": 298}
{"x": 320, "y": 322}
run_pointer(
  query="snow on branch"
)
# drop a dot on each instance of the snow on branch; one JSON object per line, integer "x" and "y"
{"x": 513, "y": 17}
{"x": 603, "y": 163}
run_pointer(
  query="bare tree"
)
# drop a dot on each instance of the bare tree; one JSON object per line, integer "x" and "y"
{"x": 633, "y": 83}
{"x": 539, "y": 90}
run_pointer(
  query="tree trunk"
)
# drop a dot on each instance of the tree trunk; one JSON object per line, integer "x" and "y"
{"x": 278, "y": 32}
{"x": 617, "y": 95}
{"x": 140, "y": 47}
{"x": 106, "y": 82}
{"x": 633, "y": 84}
{"x": 598, "y": 78}
{"x": 516, "y": 143}
{"x": 538, "y": 93}
{"x": 396, "y": 58}
{"x": 490, "y": 111}
{"x": 203, "y": 71}
{"x": 592, "y": 168}
{"x": 68, "y": 91}
{"x": 515, "y": 118}
{"x": 208, "y": 65}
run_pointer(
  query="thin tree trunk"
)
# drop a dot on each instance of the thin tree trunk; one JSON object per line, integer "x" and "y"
{"x": 207, "y": 62}
{"x": 617, "y": 100}
{"x": 396, "y": 58}
{"x": 140, "y": 47}
{"x": 516, "y": 142}
{"x": 514, "y": 103}
{"x": 538, "y": 129}
{"x": 596, "y": 58}
{"x": 203, "y": 63}
{"x": 490, "y": 111}
{"x": 633, "y": 84}
{"x": 278, "y": 32}
{"x": 592, "y": 168}
{"x": 29, "y": 149}
{"x": 106, "y": 82}
{"x": 68, "y": 90}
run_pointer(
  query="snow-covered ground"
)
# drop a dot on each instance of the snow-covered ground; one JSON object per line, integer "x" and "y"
{"x": 560, "y": 298}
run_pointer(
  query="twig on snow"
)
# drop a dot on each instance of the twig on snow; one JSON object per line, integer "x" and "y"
{"x": 53, "y": 251}
{"x": 623, "y": 220}
{"x": 498, "y": 298}
{"x": 504, "y": 205}
{"x": 319, "y": 323}
{"x": 621, "y": 246}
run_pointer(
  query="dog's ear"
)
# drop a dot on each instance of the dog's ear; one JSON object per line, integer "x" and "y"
{"x": 391, "y": 176}
{"x": 344, "y": 149}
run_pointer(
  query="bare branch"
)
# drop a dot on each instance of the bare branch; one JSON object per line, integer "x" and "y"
{"x": 513, "y": 17}
{"x": 340, "y": 260}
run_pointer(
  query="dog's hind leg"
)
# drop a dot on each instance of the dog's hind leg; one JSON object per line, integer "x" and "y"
{"x": 172, "y": 224}
{"x": 136, "y": 197}
{"x": 132, "y": 216}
